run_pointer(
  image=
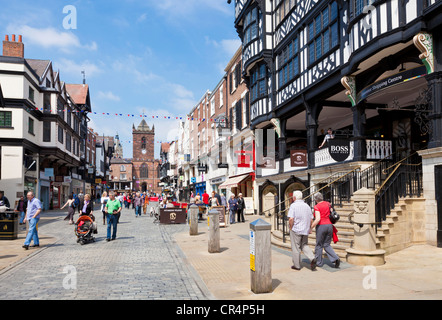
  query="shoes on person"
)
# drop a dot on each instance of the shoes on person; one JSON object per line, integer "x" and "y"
{"x": 26, "y": 247}
{"x": 337, "y": 263}
{"x": 313, "y": 265}
{"x": 35, "y": 245}
{"x": 107, "y": 239}
{"x": 294, "y": 268}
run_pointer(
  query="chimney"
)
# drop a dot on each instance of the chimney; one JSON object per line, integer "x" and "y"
{"x": 13, "y": 48}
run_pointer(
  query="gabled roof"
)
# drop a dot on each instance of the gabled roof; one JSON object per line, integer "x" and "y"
{"x": 79, "y": 93}
{"x": 39, "y": 66}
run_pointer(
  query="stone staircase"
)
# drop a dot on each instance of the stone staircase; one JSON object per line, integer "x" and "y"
{"x": 345, "y": 234}
{"x": 405, "y": 226}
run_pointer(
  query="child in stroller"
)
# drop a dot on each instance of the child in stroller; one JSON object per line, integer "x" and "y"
{"x": 84, "y": 228}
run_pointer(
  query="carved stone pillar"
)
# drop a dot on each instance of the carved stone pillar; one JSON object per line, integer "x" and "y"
{"x": 364, "y": 251}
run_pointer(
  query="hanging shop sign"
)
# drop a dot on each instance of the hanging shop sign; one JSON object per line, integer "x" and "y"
{"x": 298, "y": 158}
{"x": 339, "y": 149}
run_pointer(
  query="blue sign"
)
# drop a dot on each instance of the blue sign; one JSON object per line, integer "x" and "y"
{"x": 193, "y": 179}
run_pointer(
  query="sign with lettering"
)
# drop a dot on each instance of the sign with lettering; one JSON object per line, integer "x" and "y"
{"x": 252, "y": 250}
{"x": 173, "y": 215}
{"x": 298, "y": 158}
{"x": 222, "y": 215}
{"x": 395, "y": 79}
{"x": 339, "y": 149}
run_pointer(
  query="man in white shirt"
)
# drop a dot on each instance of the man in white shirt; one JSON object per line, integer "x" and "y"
{"x": 327, "y": 137}
{"x": 300, "y": 220}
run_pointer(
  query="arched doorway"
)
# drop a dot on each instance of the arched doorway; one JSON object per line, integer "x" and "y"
{"x": 289, "y": 187}
{"x": 269, "y": 198}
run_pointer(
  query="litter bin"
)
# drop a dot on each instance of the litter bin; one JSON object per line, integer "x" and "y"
{"x": 9, "y": 225}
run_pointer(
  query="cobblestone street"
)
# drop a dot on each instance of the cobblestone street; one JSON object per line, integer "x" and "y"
{"x": 142, "y": 263}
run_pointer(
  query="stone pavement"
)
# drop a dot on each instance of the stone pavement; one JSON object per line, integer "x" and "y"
{"x": 152, "y": 261}
{"x": 142, "y": 263}
{"x": 413, "y": 273}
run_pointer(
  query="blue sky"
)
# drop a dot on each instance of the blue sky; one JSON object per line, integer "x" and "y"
{"x": 151, "y": 56}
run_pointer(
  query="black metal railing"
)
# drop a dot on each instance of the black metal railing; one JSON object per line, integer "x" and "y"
{"x": 404, "y": 180}
{"x": 392, "y": 179}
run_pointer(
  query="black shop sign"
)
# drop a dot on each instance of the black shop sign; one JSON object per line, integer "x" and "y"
{"x": 339, "y": 149}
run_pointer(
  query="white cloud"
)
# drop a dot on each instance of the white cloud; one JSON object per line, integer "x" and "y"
{"x": 108, "y": 95}
{"x": 51, "y": 38}
{"x": 228, "y": 46}
{"x": 73, "y": 68}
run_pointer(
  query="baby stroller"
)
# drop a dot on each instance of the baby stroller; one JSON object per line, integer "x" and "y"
{"x": 84, "y": 230}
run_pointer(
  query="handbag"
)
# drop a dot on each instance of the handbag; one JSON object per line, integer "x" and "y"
{"x": 334, "y": 216}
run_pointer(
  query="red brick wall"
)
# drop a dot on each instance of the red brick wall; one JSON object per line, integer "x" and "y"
{"x": 13, "y": 48}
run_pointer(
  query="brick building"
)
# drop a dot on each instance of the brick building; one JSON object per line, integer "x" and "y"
{"x": 145, "y": 166}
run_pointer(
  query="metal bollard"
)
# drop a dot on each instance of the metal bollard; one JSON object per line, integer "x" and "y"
{"x": 193, "y": 221}
{"x": 214, "y": 232}
{"x": 260, "y": 257}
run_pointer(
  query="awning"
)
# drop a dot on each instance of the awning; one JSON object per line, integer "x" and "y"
{"x": 234, "y": 181}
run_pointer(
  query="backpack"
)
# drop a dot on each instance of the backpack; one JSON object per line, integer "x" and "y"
{"x": 75, "y": 203}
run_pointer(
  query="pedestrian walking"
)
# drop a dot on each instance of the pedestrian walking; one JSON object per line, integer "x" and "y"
{"x": 33, "y": 211}
{"x": 80, "y": 201}
{"x": 71, "y": 209}
{"x": 241, "y": 205}
{"x": 137, "y": 203}
{"x": 214, "y": 200}
{"x": 300, "y": 222}
{"x": 324, "y": 231}
{"x": 21, "y": 207}
{"x": 113, "y": 208}
{"x": 87, "y": 209}
{"x": 145, "y": 202}
{"x": 223, "y": 200}
{"x": 232, "y": 208}
{"x": 104, "y": 199}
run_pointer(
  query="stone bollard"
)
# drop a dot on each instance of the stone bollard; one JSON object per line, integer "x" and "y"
{"x": 214, "y": 232}
{"x": 260, "y": 257}
{"x": 364, "y": 251}
{"x": 193, "y": 219}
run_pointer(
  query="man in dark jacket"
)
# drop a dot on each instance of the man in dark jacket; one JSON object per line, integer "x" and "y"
{"x": 241, "y": 205}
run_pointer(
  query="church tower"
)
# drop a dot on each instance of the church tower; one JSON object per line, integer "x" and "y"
{"x": 145, "y": 167}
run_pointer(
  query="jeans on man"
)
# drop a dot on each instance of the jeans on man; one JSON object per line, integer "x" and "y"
{"x": 32, "y": 232}
{"x": 22, "y": 216}
{"x": 137, "y": 210}
{"x": 111, "y": 222}
{"x": 232, "y": 216}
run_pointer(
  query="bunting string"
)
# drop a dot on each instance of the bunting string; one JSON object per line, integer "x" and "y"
{"x": 133, "y": 115}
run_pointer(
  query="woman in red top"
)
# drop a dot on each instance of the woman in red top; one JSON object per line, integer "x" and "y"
{"x": 324, "y": 231}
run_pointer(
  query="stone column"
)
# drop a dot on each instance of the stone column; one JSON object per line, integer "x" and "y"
{"x": 193, "y": 219}
{"x": 214, "y": 232}
{"x": 364, "y": 251}
{"x": 260, "y": 257}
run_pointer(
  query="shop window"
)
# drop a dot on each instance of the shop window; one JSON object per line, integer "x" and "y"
{"x": 258, "y": 83}
{"x": 288, "y": 63}
{"x": 323, "y": 33}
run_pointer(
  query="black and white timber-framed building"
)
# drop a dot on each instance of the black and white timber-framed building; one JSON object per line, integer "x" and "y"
{"x": 371, "y": 70}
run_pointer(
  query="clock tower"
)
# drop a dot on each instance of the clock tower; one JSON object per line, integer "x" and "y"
{"x": 145, "y": 167}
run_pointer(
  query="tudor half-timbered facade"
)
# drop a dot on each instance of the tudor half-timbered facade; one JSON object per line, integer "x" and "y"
{"x": 369, "y": 70}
